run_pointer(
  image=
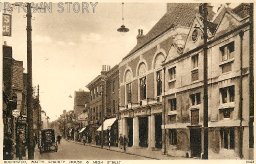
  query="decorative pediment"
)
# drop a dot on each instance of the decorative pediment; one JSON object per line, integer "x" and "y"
{"x": 195, "y": 36}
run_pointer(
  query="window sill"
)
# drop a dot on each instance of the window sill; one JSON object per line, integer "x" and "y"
{"x": 171, "y": 81}
{"x": 194, "y": 69}
{"x": 195, "y": 107}
{"x": 227, "y": 62}
{"x": 173, "y": 112}
{"x": 227, "y": 105}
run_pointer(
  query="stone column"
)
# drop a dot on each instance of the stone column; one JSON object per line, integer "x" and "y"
{"x": 125, "y": 127}
{"x": 135, "y": 132}
{"x": 149, "y": 133}
{"x": 152, "y": 141}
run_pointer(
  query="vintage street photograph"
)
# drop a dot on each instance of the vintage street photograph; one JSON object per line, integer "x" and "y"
{"x": 127, "y": 81}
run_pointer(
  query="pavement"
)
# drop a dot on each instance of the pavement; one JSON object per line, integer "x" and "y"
{"x": 138, "y": 151}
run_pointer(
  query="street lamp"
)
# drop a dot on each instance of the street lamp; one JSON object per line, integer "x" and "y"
{"x": 123, "y": 28}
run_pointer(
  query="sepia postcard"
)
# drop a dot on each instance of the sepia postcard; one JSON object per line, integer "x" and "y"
{"x": 109, "y": 82}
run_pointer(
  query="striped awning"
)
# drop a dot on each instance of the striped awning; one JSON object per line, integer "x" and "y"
{"x": 107, "y": 123}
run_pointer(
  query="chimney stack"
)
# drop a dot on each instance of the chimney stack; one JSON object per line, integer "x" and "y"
{"x": 105, "y": 68}
{"x": 140, "y": 36}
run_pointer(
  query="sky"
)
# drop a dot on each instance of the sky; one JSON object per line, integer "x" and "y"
{"x": 70, "y": 48}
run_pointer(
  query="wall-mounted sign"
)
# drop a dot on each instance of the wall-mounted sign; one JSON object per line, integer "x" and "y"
{"x": 7, "y": 25}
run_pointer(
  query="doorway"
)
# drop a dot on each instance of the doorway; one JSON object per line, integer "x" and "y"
{"x": 158, "y": 131}
{"x": 143, "y": 131}
{"x": 130, "y": 131}
{"x": 195, "y": 142}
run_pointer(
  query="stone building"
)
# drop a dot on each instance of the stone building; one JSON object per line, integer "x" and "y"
{"x": 142, "y": 77}
{"x": 228, "y": 88}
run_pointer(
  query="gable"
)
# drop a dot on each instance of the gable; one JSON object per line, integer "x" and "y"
{"x": 195, "y": 35}
{"x": 228, "y": 23}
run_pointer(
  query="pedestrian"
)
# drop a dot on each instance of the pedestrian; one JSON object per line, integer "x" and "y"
{"x": 58, "y": 139}
{"x": 20, "y": 145}
{"x": 84, "y": 139}
{"x": 8, "y": 147}
{"x": 125, "y": 142}
{"x": 120, "y": 141}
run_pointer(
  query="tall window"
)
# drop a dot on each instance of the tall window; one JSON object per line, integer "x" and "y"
{"x": 113, "y": 86}
{"x": 194, "y": 61}
{"x": 195, "y": 99}
{"x": 172, "y": 73}
{"x": 227, "y": 53}
{"x": 159, "y": 82}
{"x": 195, "y": 117}
{"x": 227, "y": 94}
{"x": 128, "y": 87}
{"x": 173, "y": 104}
{"x": 158, "y": 61}
{"x": 114, "y": 106}
{"x": 143, "y": 88}
{"x": 173, "y": 136}
{"x": 129, "y": 92}
{"x": 227, "y": 138}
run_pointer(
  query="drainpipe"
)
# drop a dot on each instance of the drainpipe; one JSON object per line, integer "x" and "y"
{"x": 241, "y": 34}
{"x": 164, "y": 115}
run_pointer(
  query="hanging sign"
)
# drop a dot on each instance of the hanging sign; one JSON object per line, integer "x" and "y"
{"x": 7, "y": 25}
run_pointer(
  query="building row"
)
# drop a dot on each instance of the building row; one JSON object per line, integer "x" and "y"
{"x": 155, "y": 95}
{"x": 14, "y": 116}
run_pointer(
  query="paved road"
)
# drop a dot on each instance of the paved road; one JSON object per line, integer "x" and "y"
{"x": 71, "y": 150}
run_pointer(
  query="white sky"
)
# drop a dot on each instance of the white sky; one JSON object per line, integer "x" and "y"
{"x": 69, "y": 49}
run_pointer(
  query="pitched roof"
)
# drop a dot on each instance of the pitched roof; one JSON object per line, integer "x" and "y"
{"x": 181, "y": 14}
{"x": 242, "y": 10}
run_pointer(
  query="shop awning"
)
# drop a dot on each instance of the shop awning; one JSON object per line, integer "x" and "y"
{"x": 82, "y": 130}
{"x": 107, "y": 123}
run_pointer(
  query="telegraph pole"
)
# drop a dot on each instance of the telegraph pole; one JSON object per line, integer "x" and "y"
{"x": 204, "y": 13}
{"x": 29, "y": 83}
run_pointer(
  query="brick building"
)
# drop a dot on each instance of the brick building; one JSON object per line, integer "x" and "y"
{"x": 142, "y": 77}
{"x": 81, "y": 99}
{"x": 103, "y": 105}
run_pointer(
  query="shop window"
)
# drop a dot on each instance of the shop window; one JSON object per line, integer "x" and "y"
{"x": 227, "y": 94}
{"x": 173, "y": 136}
{"x": 227, "y": 138}
{"x": 251, "y": 134}
{"x": 128, "y": 92}
{"x": 159, "y": 83}
{"x": 195, "y": 99}
{"x": 172, "y": 104}
{"x": 143, "y": 88}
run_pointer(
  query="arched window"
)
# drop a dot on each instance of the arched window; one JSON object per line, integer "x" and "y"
{"x": 128, "y": 87}
{"x": 143, "y": 83}
{"x": 159, "y": 78}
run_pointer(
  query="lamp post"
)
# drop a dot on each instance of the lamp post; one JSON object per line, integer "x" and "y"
{"x": 29, "y": 84}
{"x": 103, "y": 85}
{"x": 204, "y": 12}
